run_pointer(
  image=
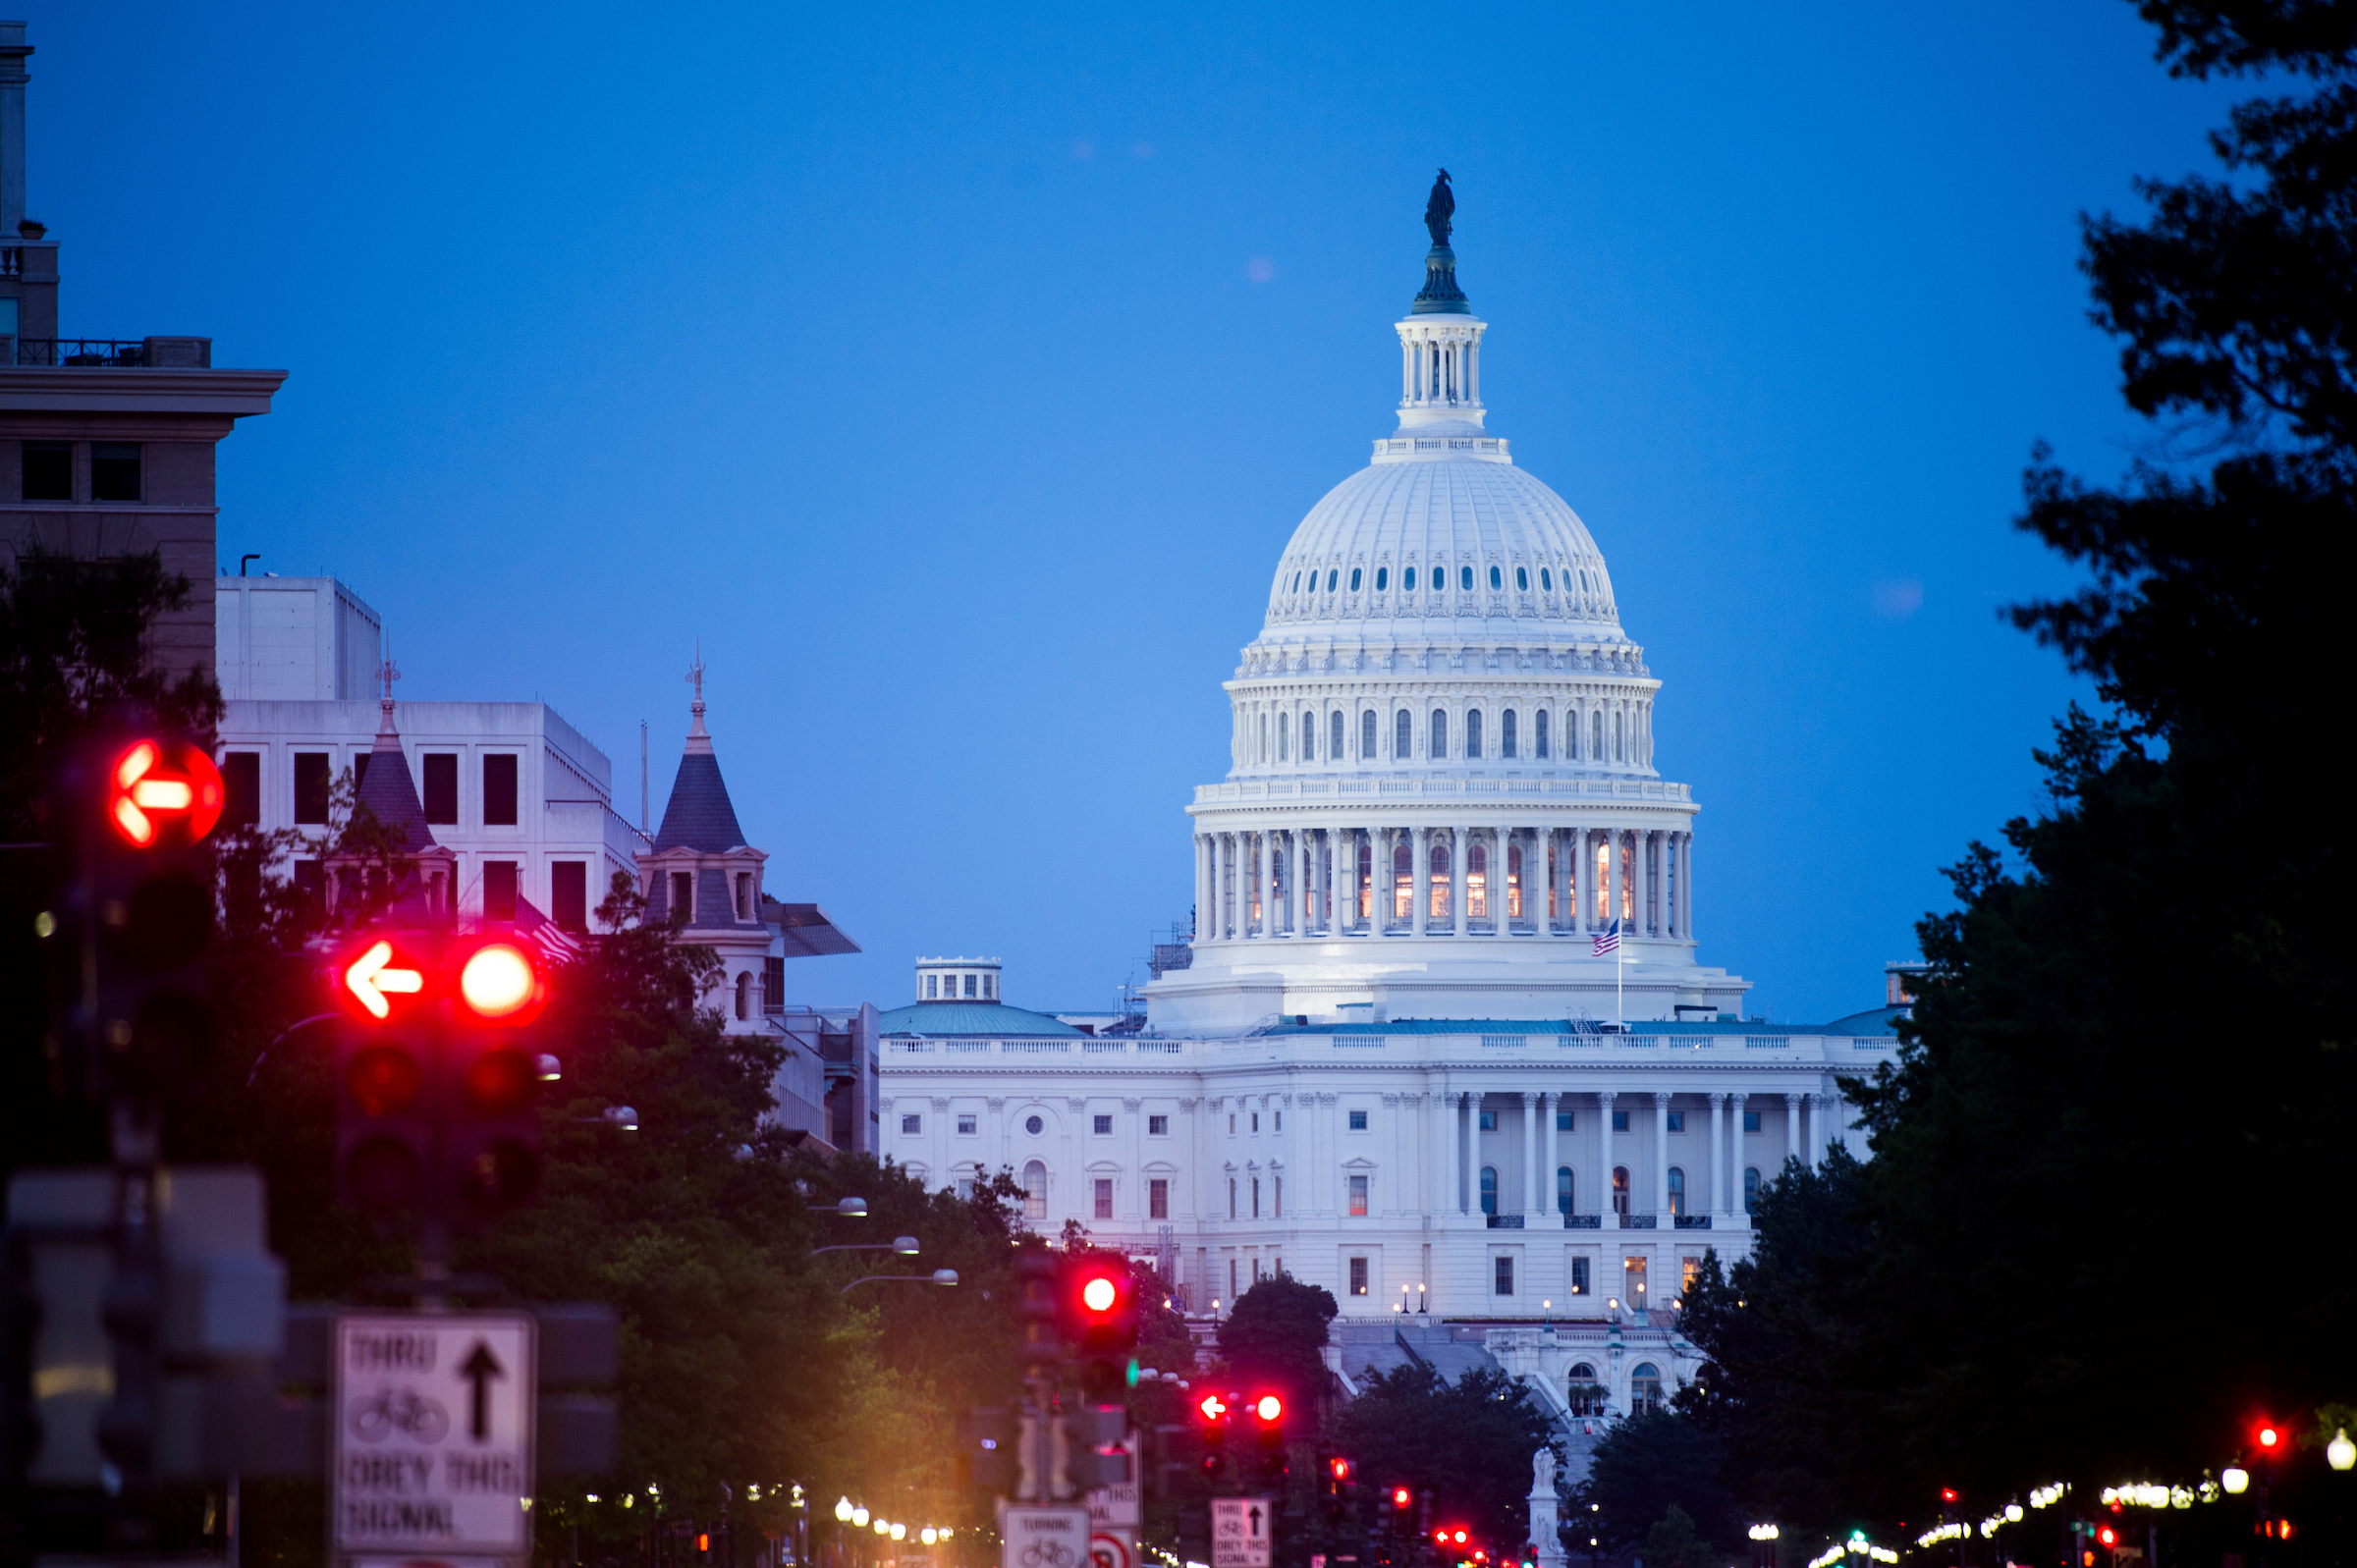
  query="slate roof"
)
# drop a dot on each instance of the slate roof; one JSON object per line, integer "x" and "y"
{"x": 700, "y": 815}
{"x": 391, "y": 795}
{"x": 990, "y": 1019}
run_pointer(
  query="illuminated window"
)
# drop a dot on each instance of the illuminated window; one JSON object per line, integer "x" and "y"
{"x": 1404, "y": 881}
{"x": 1514, "y": 882}
{"x": 1104, "y": 1198}
{"x": 1579, "y": 1278}
{"x": 1036, "y": 1187}
{"x": 1489, "y": 1186}
{"x": 1473, "y": 734}
{"x": 1439, "y": 856}
{"x": 1677, "y": 1190}
{"x": 1689, "y": 1270}
{"x": 1358, "y": 1266}
{"x": 1505, "y": 733}
{"x": 1359, "y": 1201}
{"x": 1621, "y": 1184}
{"x": 1538, "y": 735}
{"x": 1477, "y": 879}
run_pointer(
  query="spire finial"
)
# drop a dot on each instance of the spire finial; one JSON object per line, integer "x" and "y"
{"x": 386, "y": 675}
{"x": 1439, "y": 295}
{"x": 699, "y": 739}
{"x": 1439, "y": 208}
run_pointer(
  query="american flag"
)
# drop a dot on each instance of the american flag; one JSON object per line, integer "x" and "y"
{"x": 1607, "y": 941}
{"x": 561, "y": 945}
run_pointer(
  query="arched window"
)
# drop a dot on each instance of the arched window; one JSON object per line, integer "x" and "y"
{"x": 1439, "y": 735}
{"x": 1522, "y": 579}
{"x": 1285, "y": 741}
{"x": 1563, "y": 1192}
{"x": 1546, "y": 581}
{"x": 1595, "y": 735}
{"x": 1514, "y": 882}
{"x": 1620, "y": 1191}
{"x": 1334, "y": 752}
{"x": 1264, "y": 738}
{"x": 1407, "y": 579}
{"x": 1366, "y": 733}
{"x": 1677, "y": 1190}
{"x": 1620, "y": 737}
{"x": 1354, "y": 579}
{"x": 1505, "y": 733}
{"x": 1538, "y": 735}
{"x": 1582, "y": 1392}
{"x": 1035, "y": 1191}
{"x": 1603, "y": 874}
{"x": 744, "y": 995}
{"x": 1477, "y": 878}
{"x": 1473, "y": 733}
{"x": 1464, "y": 580}
{"x": 1644, "y": 1389}
{"x": 1309, "y": 737}
{"x": 1489, "y": 1189}
{"x": 1404, "y": 881}
{"x": 1439, "y": 856}
{"x": 1496, "y": 580}
{"x": 1751, "y": 1189}
{"x": 1403, "y": 743}
{"x": 1365, "y": 878}
{"x": 1331, "y": 575}
{"x": 1383, "y": 578}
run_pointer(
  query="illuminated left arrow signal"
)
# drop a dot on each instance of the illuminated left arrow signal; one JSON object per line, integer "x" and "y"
{"x": 369, "y": 979}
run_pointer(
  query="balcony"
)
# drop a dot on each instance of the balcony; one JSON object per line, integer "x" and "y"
{"x": 1506, "y": 1221}
{"x": 1693, "y": 1221}
{"x": 1640, "y": 1221}
{"x": 113, "y": 354}
{"x": 1583, "y": 1221}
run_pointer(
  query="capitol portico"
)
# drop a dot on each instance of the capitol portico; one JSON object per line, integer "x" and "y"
{"x": 1443, "y": 1041}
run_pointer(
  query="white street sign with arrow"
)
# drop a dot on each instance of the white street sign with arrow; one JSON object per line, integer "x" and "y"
{"x": 432, "y": 1451}
{"x": 1242, "y": 1531}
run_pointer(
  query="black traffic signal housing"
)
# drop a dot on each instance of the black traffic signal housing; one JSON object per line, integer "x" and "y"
{"x": 987, "y": 1457}
{"x": 1215, "y": 1415}
{"x": 1338, "y": 1484}
{"x": 491, "y": 1153}
{"x": 1084, "y": 1433}
{"x": 144, "y": 804}
{"x": 1174, "y": 1454}
{"x": 1264, "y": 1414}
{"x": 1038, "y": 1306}
{"x": 1100, "y": 1316}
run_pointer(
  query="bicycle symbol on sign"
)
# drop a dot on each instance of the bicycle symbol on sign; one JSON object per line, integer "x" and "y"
{"x": 1048, "y": 1554}
{"x": 407, "y": 1412}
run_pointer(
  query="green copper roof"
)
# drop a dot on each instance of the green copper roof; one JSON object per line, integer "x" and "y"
{"x": 965, "y": 1020}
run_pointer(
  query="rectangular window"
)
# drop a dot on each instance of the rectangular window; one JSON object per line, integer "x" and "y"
{"x": 1281, "y": 1122}
{"x": 683, "y": 895}
{"x": 1358, "y": 1121}
{"x": 1158, "y": 1199}
{"x": 1619, "y": 1121}
{"x": 1563, "y": 1121}
{"x": 311, "y": 887}
{"x": 499, "y": 790}
{"x": 1505, "y": 1285}
{"x": 1489, "y": 1122}
{"x": 1231, "y": 1124}
{"x": 744, "y": 896}
{"x": 1751, "y": 1121}
{"x": 442, "y": 788}
{"x": 1104, "y": 1205}
{"x": 115, "y": 471}
{"x": 360, "y": 771}
{"x": 310, "y": 787}
{"x": 1579, "y": 1276}
{"x": 569, "y": 893}
{"x": 1677, "y": 1121}
{"x": 1277, "y": 1191}
{"x": 1256, "y": 1197}
{"x": 1689, "y": 1270}
{"x": 969, "y": 985}
{"x": 932, "y": 986}
{"x": 241, "y": 789}
{"x": 1102, "y": 1127}
{"x": 1256, "y": 1122}
{"x": 772, "y": 985}
{"x": 1358, "y": 1277}
{"x": 48, "y": 471}
{"x": 499, "y": 890}
{"x": 966, "y": 1126}
{"x": 1232, "y": 1215}
{"x": 965, "y": 1189}
{"x": 912, "y": 1124}
{"x": 1232, "y": 1281}
{"x": 1158, "y": 1126}
{"x": 1358, "y": 1197}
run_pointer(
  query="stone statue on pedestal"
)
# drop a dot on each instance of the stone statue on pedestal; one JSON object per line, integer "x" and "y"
{"x": 1543, "y": 1537}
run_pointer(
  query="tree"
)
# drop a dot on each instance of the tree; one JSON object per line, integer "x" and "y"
{"x": 1275, "y": 1334}
{"x": 1671, "y": 1543}
{"x": 1472, "y": 1441}
{"x": 1657, "y": 1463}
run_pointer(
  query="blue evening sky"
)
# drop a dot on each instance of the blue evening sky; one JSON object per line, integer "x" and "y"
{"x": 957, "y": 375}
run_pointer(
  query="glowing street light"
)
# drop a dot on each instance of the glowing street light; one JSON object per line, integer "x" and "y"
{"x": 2341, "y": 1453}
{"x": 2234, "y": 1479}
{"x": 842, "y": 1509}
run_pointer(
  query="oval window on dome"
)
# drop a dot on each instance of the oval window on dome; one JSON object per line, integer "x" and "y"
{"x": 1383, "y": 578}
{"x": 1546, "y": 581}
{"x": 1407, "y": 579}
{"x": 1354, "y": 579}
{"x": 1522, "y": 579}
{"x": 1583, "y": 579}
{"x": 1496, "y": 581}
{"x": 1296, "y": 582}
{"x": 1331, "y": 575}
{"x": 1464, "y": 579}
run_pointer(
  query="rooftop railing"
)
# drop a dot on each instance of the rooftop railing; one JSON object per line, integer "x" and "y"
{"x": 114, "y": 352}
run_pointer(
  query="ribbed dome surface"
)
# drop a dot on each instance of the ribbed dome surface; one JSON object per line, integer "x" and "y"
{"x": 1410, "y": 532}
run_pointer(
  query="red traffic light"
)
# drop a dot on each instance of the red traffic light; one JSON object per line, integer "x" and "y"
{"x": 1948, "y": 1494}
{"x": 500, "y": 982}
{"x": 1340, "y": 1467}
{"x": 2266, "y": 1435}
{"x": 1269, "y": 1408}
{"x": 1214, "y": 1408}
{"x": 2107, "y": 1535}
{"x": 384, "y": 1079}
{"x": 1399, "y": 1496}
{"x": 1441, "y": 1537}
{"x": 1458, "y": 1538}
{"x": 1099, "y": 1293}
{"x": 159, "y": 789}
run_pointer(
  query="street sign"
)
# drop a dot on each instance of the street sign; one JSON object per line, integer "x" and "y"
{"x": 1043, "y": 1536}
{"x": 1110, "y": 1551}
{"x": 1119, "y": 1509}
{"x": 1241, "y": 1528}
{"x": 432, "y": 1445}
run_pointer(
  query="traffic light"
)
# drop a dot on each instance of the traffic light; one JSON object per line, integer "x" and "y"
{"x": 385, "y": 1088}
{"x": 493, "y": 1149}
{"x": 1265, "y": 1412}
{"x": 1100, "y": 1317}
{"x": 1338, "y": 1484}
{"x": 1038, "y": 1307}
{"x": 1172, "y": 1453}
{"x": 987, "y": 1453}
{"x": 1217, "y": 1413}
{"x": 149, "y": 893}
{"x": 1088, "y": 1452}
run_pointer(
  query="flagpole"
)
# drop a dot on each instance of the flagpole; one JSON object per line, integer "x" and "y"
{"x": 1620, "y": 1014}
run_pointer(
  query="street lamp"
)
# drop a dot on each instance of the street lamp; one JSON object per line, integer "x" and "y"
{"x": 905, "y": 1246}
{"x": 2234, "y": 1479}
{"x": 842, "y": 1509}
{"x": 2341, "y": 1453}
{"x": 939, "y": 1277}
{"x": 852, "y": 1208}
{"x": 858, "y": 1518}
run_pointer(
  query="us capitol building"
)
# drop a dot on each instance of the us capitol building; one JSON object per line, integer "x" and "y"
{"x": 1407, "y": 1059}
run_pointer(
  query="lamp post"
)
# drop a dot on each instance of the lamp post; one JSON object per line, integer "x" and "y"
{"x": 1763, "y": 1545}
{"x": 939, "y": 1277}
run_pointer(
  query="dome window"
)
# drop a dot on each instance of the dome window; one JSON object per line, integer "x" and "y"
{"x": 1331, "y": 575}
{"x": 1297, "y": 588}
{"x": 1354, "y": 579}
{"x": 1546, "y": 581}
{"x": 1383, "y": 578}
{"x": 1407, "y": 579}
{"x": 1522, "y": 579}
{"x": 1496, "y": 579}
{"x": 1464, "y": 579}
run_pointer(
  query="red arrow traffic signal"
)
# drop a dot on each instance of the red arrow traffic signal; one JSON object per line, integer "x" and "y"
{"x": 160, "y": 789}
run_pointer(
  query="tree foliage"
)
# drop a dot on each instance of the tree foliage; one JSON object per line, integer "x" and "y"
{"x": 1274, "y": 1334}
{"x": 1472, "y": 1441}
{"x": 1649, "y": 1466}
